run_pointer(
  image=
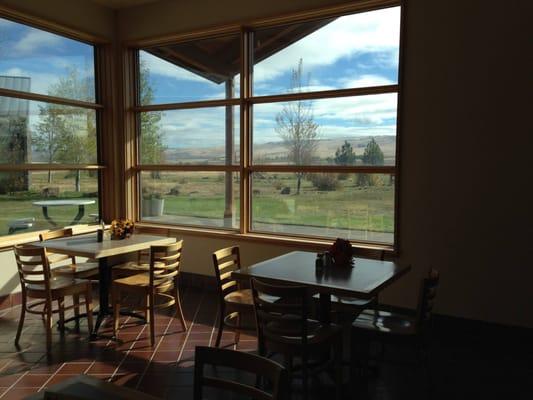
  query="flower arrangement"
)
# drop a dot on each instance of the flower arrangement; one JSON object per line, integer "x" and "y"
{"x": 341, "y": 252}
{"x": 121, "y": 228}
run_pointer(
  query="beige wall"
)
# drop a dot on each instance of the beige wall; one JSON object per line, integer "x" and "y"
{"x": 466, "y": 140}
{"x": 81, "y": 14}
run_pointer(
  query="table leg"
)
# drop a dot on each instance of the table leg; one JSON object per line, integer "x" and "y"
{"x": 105, "y": 283}
{"x": 79, "y": 215}
{"x": 324, "y": 313}
{"x": 47, "y": 217}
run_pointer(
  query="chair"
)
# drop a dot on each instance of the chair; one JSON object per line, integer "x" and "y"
{"x": 283, "y": 326}
{"x": 37, "y": 282}
{"x": 392, "y": 327}
{"x": 86, "y": 270}
{"x": 232, "y": 299}
{"x": 246, "y": 362}
{"x": 161, "y": 281}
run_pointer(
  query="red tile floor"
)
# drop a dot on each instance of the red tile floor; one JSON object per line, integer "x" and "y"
{"x": 164, "y": 371}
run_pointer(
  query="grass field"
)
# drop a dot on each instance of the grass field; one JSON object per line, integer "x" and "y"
{"x": 19, "y": 204}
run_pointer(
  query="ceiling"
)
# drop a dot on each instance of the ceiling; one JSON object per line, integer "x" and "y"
{"x": 116, "y": 4}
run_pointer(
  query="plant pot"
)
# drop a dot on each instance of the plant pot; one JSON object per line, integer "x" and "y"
{"x": 152, "y": 207}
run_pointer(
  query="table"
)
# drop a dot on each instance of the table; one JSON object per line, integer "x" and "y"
{"x": 81, "y": 203}
{"x": 87, "y": 246}
{"x": 366, "y": 279}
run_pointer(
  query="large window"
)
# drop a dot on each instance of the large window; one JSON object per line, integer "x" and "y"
{"x": 48, "y": 130}
{"x": 279, "y": 130}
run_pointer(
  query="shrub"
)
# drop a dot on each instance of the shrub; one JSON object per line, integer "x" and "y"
{"x": 324, "y": 182}
{"x": 175, "y": 191}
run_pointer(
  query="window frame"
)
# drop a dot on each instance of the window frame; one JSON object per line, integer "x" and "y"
{"x": 97, "y": 43}
{"x": 246, "y": 102}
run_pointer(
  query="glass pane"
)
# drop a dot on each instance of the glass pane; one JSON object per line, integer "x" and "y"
{"x": 193, "y": 71}
{"x": 32, "y": 60}
{"x": 351, "y": 206}
{"x": 35, "y": 132}
{"x": 358, "y": 130}
{"x": 209, "y": 199}
{"x": 352, "y": 51}
{"x": 46, "y": 200}
{"x": 198, "y": 136}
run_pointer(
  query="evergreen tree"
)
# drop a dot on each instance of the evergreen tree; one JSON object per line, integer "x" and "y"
{"x": 345, "y": 156}
{"x": 371, "y": 156}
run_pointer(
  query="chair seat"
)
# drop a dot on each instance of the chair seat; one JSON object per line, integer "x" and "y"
{"x": 57, "y": 283}
{"x": 385, "y": 322}
{"x": 135, "y": 266}
{"x": 141, "y": 280}
{"x": 241, "y": 297}
{"x": 317, "y": 333}
{"x": 81, "y": 270}
{"x": 349, "y": 301}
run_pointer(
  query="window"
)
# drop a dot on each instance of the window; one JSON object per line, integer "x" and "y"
{"x": 48, "y": 130}
{"x": 315, "y": 104}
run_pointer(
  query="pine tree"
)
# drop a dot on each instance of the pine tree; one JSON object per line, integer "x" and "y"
{"x": 371, "y": 156}
{"x": 345, "y": 156}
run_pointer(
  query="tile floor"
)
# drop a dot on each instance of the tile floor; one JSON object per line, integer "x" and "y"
{"x": 463, "y": 365}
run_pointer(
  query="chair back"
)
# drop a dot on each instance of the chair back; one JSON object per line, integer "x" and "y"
{"x": 240, "y": 361}
{"x": 281, "y": 312}
{"x": 426, "y": 300}
{"x": 165, "y": 266}
{"x": 225, "y": 261}
{"x": 57, "y": 234}
{"x": 33, "y": 267}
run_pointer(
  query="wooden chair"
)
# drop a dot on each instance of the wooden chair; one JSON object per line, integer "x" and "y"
{"x": 392, "y": 327}
{"x": 86, "y": 270}
{"x": 161, "y": 281}
{"x": 283, "y": 326}
{"x": 37, "y": 282}
{"x": 240, "y": 361}
{"x": 232, "y": 299}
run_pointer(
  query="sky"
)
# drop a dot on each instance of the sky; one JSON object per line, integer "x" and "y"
{"x": 352, "y": 51}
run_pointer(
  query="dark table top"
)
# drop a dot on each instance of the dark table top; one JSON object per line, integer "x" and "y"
{"x": 365, "y": 279}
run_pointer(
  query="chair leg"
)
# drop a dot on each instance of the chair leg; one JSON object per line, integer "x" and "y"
{"x": 21, "y": 319}
{"x": 237, "y": 335}
{"x": 61, "y": 308}
{"x": 220, "y": 325}
{"x": 48, "y": 325}
{"x": 146, "y": 309}
{"x": 76, "y": 300}
{"x": 151, "y": 308}
{"x": 305, "y": 376}
{"x": 337, "y": 354}
{"x": 179, "y": 310}
{"x": 288, "y": 366}
{"x": 116, "y": 310}
{"x": 89, "y": 307}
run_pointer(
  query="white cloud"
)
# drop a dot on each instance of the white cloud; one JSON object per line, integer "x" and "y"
{"x": 35, "y": 39}
{"x": 376, "y": 32}
{"x": 40, "y": 81}
{"x": 364, "y": 81}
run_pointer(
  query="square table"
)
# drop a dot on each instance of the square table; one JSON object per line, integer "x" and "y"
{"x": 88, "y": 246}
{"x": 364, "y": 280}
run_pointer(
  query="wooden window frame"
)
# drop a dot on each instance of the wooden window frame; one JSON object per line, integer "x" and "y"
{"x": 100, "y": 58}
{"x": 246, "y": 102}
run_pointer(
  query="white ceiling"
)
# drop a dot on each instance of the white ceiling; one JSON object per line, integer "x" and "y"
{"x": 116, "y": 4}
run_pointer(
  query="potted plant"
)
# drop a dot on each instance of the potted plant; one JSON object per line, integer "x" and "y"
{"x": 152, "y": 204}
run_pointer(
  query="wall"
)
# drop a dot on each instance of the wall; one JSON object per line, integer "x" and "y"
{"x": 80, "y": 14}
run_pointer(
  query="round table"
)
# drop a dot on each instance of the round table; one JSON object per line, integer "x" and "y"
{"x": 81, "y": 203}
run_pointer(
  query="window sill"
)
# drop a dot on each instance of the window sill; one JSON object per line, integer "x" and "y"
{"x": 7, "y": 242}
{"x": 364, "y": 249}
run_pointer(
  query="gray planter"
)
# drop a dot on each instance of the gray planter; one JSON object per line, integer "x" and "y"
{"x": 152, "y": 207}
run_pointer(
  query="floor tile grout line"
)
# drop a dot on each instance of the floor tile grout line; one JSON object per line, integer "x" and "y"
{"x": 214, "y": 328}
{"x": 141, "y": 377}
{"x": 153, "y": 352}
{"x": 13, "y": 384}
{"x": 190, "y": 328}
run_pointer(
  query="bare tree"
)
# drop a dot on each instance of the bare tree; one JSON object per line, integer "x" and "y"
{"x": 296, "y": 126}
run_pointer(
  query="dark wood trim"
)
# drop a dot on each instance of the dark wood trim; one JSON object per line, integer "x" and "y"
{"x": 49, "y": 167}
{"x": 180, "y": 167}
{"x": 187, "y": 106}
{"x": 50, "y": 26}
{"x": 295, "y": 17}
{"x": 366, "y": 169}
{"x": 49, "y": 99}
